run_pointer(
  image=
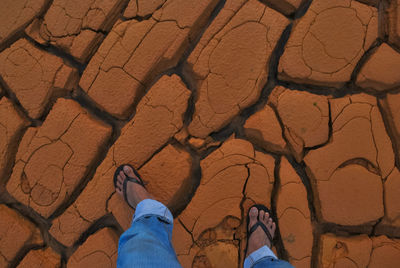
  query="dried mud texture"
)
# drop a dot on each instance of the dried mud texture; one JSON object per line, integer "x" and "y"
{"x": 12, "y": 125}
{"x": 390, "y": 224}
{"x": 218, "y": 104}
{"x": 292, "y": 207}
{"x": 326, "y": 44}
{"x": 99, "y": 250}
{"x": 41, "y": 258}
{"x": 233, "y": 177}
{"x": 16, "y": 15}
{"x": 158, "y": 118}
{"x": 135, "y": 52}
{"x": 380, "y": 72}
{"x": 229, "y": 65}
{"x": 394, "y": 22}
{"x": 16, "y": 232}
{"x": 76, "y": 26}
{"x": 357, "y": 159}
{"x": 263, "y": 128}
{"x": 287, "y": 7}
{"x": 164, "y": 175}
{"x": 305, "y": 118}
{"x": 35, "y": 76}
{"x": 142, "y": 8}
{"x": 53, "y": 158}
{"x": 358, "y": 251}
{"x": 391, "y": 108}
{"x": 166, "y": 172}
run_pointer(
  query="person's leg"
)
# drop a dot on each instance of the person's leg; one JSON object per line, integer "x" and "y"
{"x": 147, "y": 243}
{"x": 259, "y": 254}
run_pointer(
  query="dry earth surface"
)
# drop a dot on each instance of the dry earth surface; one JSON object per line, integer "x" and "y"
{"x": 220, "y": 104}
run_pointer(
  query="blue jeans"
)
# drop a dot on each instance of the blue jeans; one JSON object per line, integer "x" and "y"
{"x": 147, "y": 243}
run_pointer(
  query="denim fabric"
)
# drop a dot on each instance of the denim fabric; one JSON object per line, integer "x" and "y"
{"x": 152, "y": 207}
{"x": 264, "y": 257}
{"x": 257, "y": 255}
{"x": 147, "y": 243}
{"x": 271, "y": 262}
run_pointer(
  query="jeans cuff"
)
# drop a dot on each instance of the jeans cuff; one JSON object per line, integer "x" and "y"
{"x": 257, "y": 255}
{"x": 152, "y": 207}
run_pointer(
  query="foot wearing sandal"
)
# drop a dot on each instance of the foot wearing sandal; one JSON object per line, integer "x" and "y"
{"x": 134, "y": 191}
{"x": 258, "y": 237}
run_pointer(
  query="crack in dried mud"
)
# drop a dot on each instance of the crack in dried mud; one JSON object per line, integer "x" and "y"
{"x": 235, "y": 126}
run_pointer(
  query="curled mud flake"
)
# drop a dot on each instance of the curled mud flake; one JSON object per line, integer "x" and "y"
{"x": 292, "y": 206}
{"x": 344, "y": 251}
{"x": 15, "y": 233}
{"x": 58, "y": 156}
{"x": 75, "y": 26}
{"x": 34, "y": 76}
{"x": 19, "y": 13}
{"x": 328, "y": 41}
{"x": 228, "y": 64}
{"x": 140, "y": 51}
{"x": 379, "y": 72}
{"x": 364, "y": 146}
{"x": 100, "y": 247}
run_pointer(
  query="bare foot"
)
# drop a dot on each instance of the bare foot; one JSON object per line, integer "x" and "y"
{"x": 134, "y": 192}
{"x": 258, "y": 238}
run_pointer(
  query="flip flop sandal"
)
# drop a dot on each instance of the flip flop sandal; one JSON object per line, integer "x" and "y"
{"x": 128, "y": 179}
{"x": 258, "y": 224}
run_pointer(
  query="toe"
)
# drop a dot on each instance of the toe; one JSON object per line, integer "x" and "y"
{"x": 120, "y": 180}
{"x": 118, "y": 190}
{"x": 261, "y": 215}
{"x": 253, "y": 214}
{"x": 129, "y": 171}
{"x": 119, "y": 183}
{"x": 122, "y": 176}
{"x": 269, "y": 223}
{"x": 273, "y": 228}
{"x": 265, "y": 217}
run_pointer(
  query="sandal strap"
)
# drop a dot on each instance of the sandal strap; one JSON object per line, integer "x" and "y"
{"x": 265, "y": 229}
{"x": 130, "y": 179}
{"x": 138, "y": 181}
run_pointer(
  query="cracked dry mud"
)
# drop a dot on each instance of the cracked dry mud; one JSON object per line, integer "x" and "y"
{"x": 219, "y": 104}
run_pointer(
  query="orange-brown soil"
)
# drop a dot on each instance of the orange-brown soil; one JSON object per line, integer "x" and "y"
{"x": 219, "y": 104}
